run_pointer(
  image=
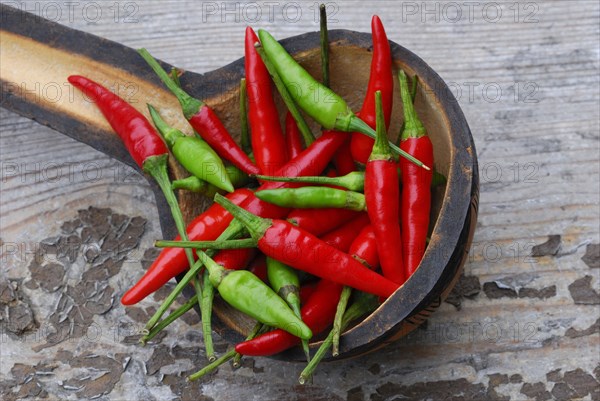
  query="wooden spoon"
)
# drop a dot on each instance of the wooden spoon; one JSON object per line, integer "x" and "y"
{"x": 38, "y": 55}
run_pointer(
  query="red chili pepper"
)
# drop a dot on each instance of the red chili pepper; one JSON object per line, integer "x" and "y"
{"x": 172, "y": 261}
{"x": 308, "y": 253}
{"x": 268, "y": 143}
{"x": 320, "y": 221}
{"x": 416, "y": 185}
{"x": 381, "y": 79}
{"x": 136, "y": 132}
{"x": 343, "y": 160}
{"x": 212, "y": 130}
{"x": 293, "y": 138}
{"x": 343, "y": 236}
{"x": 382, "y": 196}
{"x": 364, "y": 248}
{"x": 235, "y": 259}
{"x": 312, "y": 160}
{"x": 317, "y": 313}
{"x": 259, "y": 267}
{"x": 204, "y": 120}
{"x": 306, "y": 291}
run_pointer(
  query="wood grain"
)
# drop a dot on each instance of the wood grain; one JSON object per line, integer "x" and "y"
{"x": 538, "y": 155}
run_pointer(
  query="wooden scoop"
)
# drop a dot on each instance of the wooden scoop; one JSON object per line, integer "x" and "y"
{"x": 38, "y": 55}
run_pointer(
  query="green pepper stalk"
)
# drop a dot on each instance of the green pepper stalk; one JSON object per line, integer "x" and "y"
{"x": 229, "y": 244}
{"x": 324, "y": 44}
{"x": 336, "y": 331}
{"x": 175, "y": 73}
{"x": 313, "y": 197}
{"x": 287, "y": 97}
{"x": 248, "y": 294}
{"x": 413, "y": 95}
{"x": 363, "y": 304}
{"x": 157, "y": 167}
{"x": 244, "y": 127}
{"x": 194, "y": 154}
{"x": 225, "y": 357}
{"x": 169, "y": 319}
{"x": 354, "y": 181}
{"x": 285, "y": 282}
{"x": 318, "y": 101}
{"x": 257, "y": 330}
{"x": 206, "y": 305}
{"x": 194, "y": 184}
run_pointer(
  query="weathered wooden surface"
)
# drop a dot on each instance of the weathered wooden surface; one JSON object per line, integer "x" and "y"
{"x": 527, "y": 327}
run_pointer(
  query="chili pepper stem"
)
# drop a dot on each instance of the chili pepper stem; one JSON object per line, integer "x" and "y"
{"x": 191, "y": 274}
{"x": 229, "y": 244}
{"x": 170, "y": 134}
{"x": 337, "y": 321}
{"x": 212, "y": 366}
{"x": 189, "y": 105}
{"x": 156, "y": 166}
{"x": 307, "y": 134}
{"x": 256, "y": 330}
{"x": 413, "y": 128}
{"x": 354, "y": 181}
{"x": 216, "y": 272}
{"x": 324, "y": 44}
{"x": 245, "y": 130}
{"x": 254, "y": 224}
{"x": 169, "y": 319}
{"x": 413, "y": 95}
{"x": 206, "y": 304}
{"x": 381, "y": 148}
{"x": 363, "y": 304}
{"x": 225, "y": 357}
{"x": 357, "y": 125}
{"x": 174, "y": 75}
{"x": 192, "y": 184}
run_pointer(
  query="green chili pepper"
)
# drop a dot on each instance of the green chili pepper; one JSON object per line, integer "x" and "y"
{"x": 194, "y": 184}
{"x": 285, "y": 282}
{"x": 317, "y": 100}
{"x": 247, "y": 293}
{"x": 313, "y": 197}
{"x": 287, "y": 97}
{"x": 194, "y": 154}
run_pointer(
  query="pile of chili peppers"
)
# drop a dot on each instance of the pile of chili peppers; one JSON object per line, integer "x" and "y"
{"x": 307, "y": 233}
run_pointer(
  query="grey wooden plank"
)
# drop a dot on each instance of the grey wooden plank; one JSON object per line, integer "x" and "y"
{"x": 551, "y": 139}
